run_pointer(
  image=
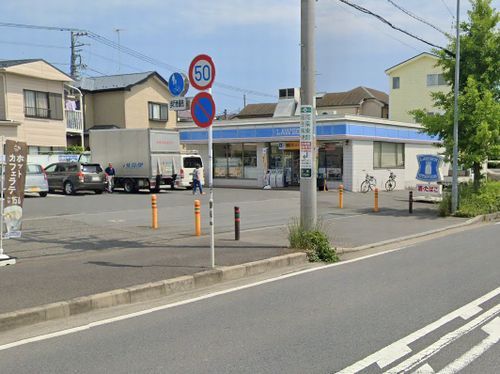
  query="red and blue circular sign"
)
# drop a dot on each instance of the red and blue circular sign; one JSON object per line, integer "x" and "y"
{"x": 202, "y": 72}
{"x": 203, "y": 109}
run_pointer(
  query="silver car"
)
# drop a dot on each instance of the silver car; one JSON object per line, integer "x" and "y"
{"x": 36, "y": 180}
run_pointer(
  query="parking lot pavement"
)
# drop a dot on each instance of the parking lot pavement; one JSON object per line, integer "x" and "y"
{"x": 78, "y": 245}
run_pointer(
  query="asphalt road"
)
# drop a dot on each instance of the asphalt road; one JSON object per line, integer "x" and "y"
{"x": 425, "y": 308}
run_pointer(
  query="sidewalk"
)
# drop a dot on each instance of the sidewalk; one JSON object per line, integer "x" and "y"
{"x": 67, "y": 257}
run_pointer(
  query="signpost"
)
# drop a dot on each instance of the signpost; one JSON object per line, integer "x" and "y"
{"x": 201, "y": 76}
{"x": 202, "y": 72}
{"x": 429, "y": 170}
{"x": 178, "y": 84}
{"x": 306, "y": 141}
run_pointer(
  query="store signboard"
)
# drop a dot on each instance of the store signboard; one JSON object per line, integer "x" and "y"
{"x": 306, "y": 141}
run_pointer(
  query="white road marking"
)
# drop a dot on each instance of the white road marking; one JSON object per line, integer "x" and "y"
{"x": 184, "y": 302}
{"x": 400, "y": 348}
{"x": 425, "y": 369}
{"x": 449, "y": 338}
{"x": 493, "y": 329}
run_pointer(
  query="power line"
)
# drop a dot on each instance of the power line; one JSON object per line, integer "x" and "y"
{"x": 107, "y": 42}
{"x": 414, "y": 16}
{"x": 382, "y": 19}
{"x": 347, "y": 10}
{"x": 448, "y": 9}
{"x": 33, "y": 44}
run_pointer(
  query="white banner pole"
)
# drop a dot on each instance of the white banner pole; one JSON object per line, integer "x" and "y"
{"x": 211, "y": 187}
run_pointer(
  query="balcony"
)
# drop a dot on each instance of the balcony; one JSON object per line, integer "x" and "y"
{"x": 74, "y": 121}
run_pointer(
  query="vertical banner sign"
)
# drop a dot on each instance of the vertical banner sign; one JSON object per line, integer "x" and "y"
{"x": 306, "y": 141}
{"x": 15, "y": 175}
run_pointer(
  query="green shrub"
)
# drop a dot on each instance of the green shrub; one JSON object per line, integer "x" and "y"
{"x": 483, "y": 201}
{"x": 473, "y": 203}
{"x": 315, "y": 242}
{"x": 74, "y": 149}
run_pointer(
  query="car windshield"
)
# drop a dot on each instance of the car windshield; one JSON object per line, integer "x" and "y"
{"x": 34, "y": 169}
{"x": 91, "y": 168}
{"x": 191, "y": 162}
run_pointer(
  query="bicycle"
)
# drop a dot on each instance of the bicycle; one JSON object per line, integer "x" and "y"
{"x": 369, "y": 183}
{"x": 391, "y": 182}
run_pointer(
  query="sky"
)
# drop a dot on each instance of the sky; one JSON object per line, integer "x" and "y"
{"x": 255, "y": 44}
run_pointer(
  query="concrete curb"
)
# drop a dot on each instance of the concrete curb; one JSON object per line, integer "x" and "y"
{"x": 144, "y": 292}
{"x": 414, "y": 236}
{"x": 483, "y": 218}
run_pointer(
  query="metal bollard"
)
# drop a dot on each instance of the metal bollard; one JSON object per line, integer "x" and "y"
{"x": 410, "y": 203}
{"x": 341, "y": 196}
{"x": 154, "y": 207}
{"x": 197, "y": 218}
{"x": 236, "y": 223}
{"x": 375, "y": 206}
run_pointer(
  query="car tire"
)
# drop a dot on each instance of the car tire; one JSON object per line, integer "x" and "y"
{"x": 43, "y": 194}
{"x": 98, "y": 192}
{"x": 69, "y": 189}
{"x": 129, "y": 186}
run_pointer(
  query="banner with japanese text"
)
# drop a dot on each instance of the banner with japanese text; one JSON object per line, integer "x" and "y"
{"x": 16, "y": 154}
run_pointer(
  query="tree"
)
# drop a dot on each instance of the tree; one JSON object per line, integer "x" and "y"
{"x": 479, "y": 91}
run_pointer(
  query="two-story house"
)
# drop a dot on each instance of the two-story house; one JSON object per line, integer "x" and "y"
{"x": 31, "y": 104}
{"x": 128, "y": 101}
{"x": 411, "y": 84}
{"x": 361, "y": 101}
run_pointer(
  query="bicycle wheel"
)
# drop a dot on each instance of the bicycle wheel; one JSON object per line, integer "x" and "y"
{"x": 390, "y": 185}
{"x": 365, "y": 186}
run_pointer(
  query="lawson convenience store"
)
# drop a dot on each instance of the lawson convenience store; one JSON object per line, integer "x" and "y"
{"x": 347, "y": 147}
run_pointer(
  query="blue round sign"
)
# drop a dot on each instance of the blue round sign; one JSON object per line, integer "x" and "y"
{"x": 178, "y": 84}
{"x": 203, "y": 109}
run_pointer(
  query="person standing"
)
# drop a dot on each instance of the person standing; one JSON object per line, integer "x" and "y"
{"x": 110, "y": 175}
{"x": 196, "y": 180}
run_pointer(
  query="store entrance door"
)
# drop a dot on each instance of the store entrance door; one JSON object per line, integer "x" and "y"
{"x": 292, "y": 167}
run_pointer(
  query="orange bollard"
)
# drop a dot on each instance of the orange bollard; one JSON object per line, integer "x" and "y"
{"x": 154, "y": 207}
{"x": 375, "y": 206}
{"x": 341, "y": 196}
{"x": 197, "y": 218}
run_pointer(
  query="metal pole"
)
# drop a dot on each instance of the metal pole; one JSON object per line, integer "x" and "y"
{"x": 211, "y": 187}
{"x": 454, "y": 182}
{"x": 308, "y": 192}
{"x": 2, "y": 163}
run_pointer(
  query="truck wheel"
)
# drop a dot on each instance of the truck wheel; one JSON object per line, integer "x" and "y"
{"x": 43, "y": 194}
{"x": 129, "y": 186}
{"x": 68, "y": 188}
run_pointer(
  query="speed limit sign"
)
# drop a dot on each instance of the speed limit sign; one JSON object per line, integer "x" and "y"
{"x": 202, "y": 72}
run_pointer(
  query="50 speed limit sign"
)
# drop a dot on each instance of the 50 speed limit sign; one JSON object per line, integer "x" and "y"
{"x": 202, "y": 72}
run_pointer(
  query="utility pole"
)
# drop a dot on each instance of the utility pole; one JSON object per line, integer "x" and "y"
{"x": 244, "y": 100}
{"x": 308, "y": 209}
{"x": 76, "y": 58}
{"x": 454, "y": 182}
{"x": 119, "y": 46}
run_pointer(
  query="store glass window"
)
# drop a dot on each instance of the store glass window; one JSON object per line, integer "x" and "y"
{"x": 388, "y": 155}
{"x": 250, "y": 161}
{"x": 276, "y": 159}
{"x": 235, "y": 161}
{"x": 330, "y": 161}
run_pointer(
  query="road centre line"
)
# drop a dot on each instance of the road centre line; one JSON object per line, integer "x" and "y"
{"x": 398, "y": 349}
{"x": 449, "y": 338}
{"x": 185, "y": 302}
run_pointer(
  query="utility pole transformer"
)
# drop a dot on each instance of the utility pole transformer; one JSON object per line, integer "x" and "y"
{"x": 308, "y": 209}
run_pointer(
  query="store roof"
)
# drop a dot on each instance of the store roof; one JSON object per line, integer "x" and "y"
{"x": 352, "y": 97}
{"x": 257, "y": 110}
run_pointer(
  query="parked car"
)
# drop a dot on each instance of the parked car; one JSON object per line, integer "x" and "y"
{"x": 36, "y": 180}
{"x": 71, "y": 177}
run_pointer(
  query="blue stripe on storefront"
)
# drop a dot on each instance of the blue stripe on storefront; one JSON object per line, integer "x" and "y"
{"x": 292, "y": 132}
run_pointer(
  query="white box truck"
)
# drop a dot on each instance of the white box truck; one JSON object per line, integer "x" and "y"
{"x": 142, "y": 158}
